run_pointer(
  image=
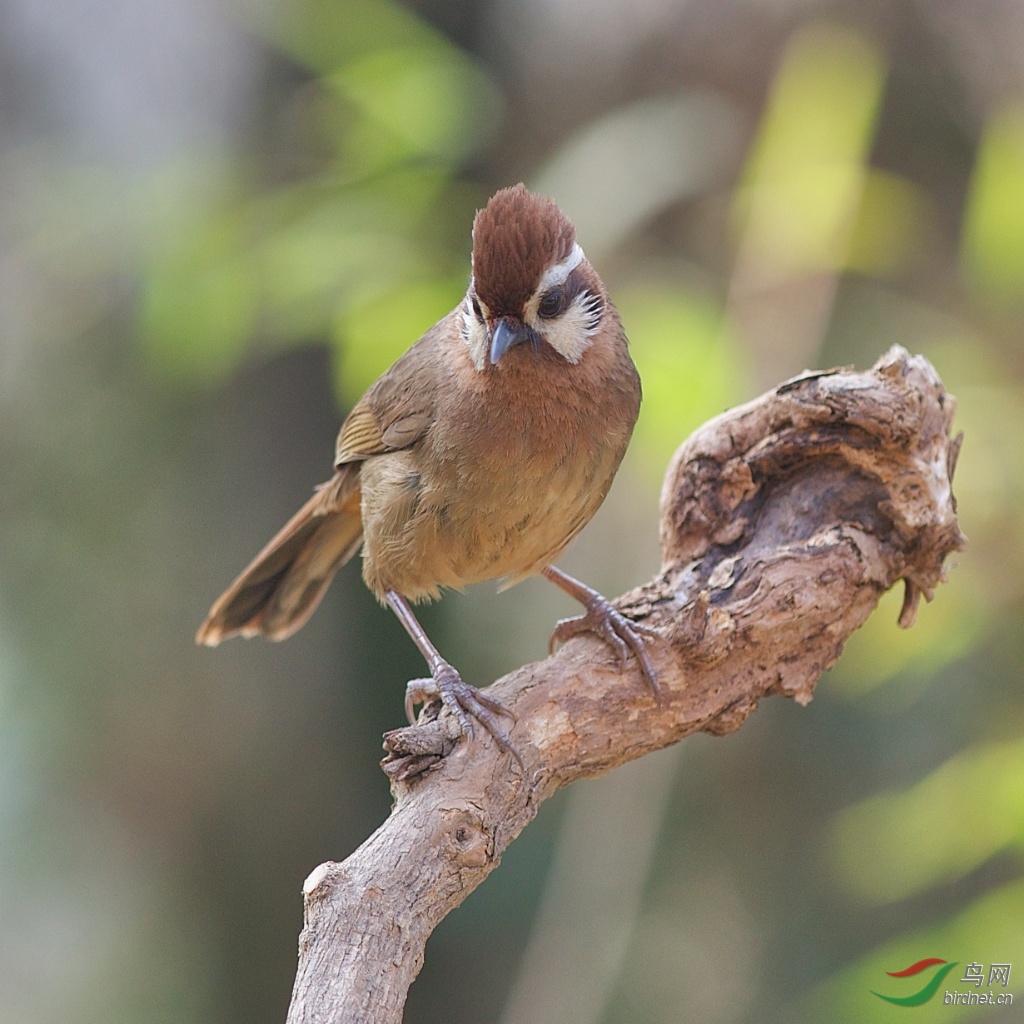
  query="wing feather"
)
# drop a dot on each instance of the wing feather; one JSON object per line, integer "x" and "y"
{"x": 360, "y": 436}
{"x": 399, "y": 409}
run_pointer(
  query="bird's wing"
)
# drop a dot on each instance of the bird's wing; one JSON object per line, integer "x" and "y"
{"x": 360, "y": 436}
{"x": 397, "y": 411}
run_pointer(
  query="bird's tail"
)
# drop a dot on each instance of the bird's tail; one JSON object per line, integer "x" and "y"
{"x": 284, "y": 583}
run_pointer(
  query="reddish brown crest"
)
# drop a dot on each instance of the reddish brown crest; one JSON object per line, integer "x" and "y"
{"x": 516, "y": 237}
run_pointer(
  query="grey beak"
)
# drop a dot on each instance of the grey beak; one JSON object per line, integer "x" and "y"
{"x": 508, "y": 332}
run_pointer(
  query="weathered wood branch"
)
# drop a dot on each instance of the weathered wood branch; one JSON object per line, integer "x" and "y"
{"x": 782, "y": 523}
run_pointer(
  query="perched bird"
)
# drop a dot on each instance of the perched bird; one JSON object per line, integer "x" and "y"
{"x": 479, "y": 455}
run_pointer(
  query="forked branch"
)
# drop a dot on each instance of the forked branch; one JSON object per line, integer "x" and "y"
{"x": 782, "y": 524}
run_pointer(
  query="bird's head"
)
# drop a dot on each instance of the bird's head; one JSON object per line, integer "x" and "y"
{"x": 531, "y": 282}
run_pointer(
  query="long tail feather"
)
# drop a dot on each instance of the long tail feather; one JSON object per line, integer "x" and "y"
{"x": 282, "y": 586}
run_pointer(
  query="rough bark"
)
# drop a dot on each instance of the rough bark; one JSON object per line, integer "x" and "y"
{"x": 782, "y": 523}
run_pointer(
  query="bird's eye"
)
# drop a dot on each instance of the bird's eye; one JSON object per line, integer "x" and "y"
{"x": 552, "y": 303}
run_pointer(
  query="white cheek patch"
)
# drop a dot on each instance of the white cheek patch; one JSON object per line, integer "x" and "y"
{"x": 570, "y": 334}
{"x": 474, "y": 333}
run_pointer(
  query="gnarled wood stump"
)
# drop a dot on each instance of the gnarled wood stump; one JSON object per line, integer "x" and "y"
{"x": 782, "y": 524}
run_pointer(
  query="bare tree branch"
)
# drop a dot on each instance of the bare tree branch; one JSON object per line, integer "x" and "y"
{"x": 782, "y": 524}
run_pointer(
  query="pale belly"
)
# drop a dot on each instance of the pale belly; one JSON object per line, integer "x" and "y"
{"x": 465, "y": 524}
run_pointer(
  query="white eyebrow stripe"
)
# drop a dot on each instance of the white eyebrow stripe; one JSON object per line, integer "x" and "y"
{"x": 557, "y": 274}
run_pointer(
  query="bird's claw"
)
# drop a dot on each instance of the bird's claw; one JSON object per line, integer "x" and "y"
{"x": 617, "y": 630}
{"x": 465, "y": 702}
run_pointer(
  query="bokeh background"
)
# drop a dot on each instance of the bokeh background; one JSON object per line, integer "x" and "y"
{"x": 220, "y": 220}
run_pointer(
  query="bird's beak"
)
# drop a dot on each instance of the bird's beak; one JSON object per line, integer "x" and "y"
{"x": 508, "y": 332}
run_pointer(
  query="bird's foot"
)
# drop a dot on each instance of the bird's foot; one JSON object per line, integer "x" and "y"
{"x": 622, "y": 633}
{"x": 465, "y": 702}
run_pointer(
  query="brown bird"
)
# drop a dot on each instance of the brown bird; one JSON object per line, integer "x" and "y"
{"x": 479, "y": 455}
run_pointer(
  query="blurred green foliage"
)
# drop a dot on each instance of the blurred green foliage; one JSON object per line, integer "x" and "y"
{"x": 804, "y": 178}
{"x": 993, "y": 252}
{"x": 964, "y": 813}
{"x": 984, "y": 931}
{"x": 690, "y": 367}
{"x": 359, "y": 252}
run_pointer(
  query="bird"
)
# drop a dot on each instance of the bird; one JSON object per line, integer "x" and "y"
{"x": 479, "y": 455}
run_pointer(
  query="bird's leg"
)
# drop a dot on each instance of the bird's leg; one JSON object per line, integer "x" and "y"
{"x": 445, "y": 684}
{"x": 604, "y": 620}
